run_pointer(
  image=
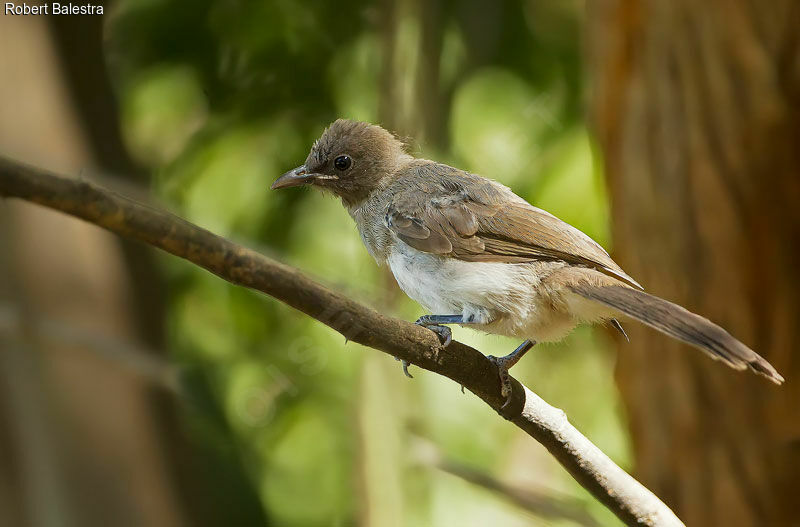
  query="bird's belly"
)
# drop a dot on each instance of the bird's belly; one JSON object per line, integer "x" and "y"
{"x": 499, "y": 298}
{"x": 428, "y": 279}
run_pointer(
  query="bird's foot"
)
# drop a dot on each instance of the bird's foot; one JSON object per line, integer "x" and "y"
{"x": 406, "y": 364}
{"x": 444, "y": 333}
{"x": 505, "y": 378}
{"x": 504, "y": 363}
{"x": 432, "y": 322}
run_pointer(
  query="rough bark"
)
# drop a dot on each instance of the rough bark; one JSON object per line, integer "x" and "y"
{"x": 611, "y": 485}
{"x": 697, "y": 110}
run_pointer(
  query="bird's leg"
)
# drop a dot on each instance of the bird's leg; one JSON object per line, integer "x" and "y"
{"x": 434, "y": 323}
{"x": 503, "y": 365}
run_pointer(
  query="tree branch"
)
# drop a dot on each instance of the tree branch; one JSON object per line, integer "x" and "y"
{"x": 147, "y": 364}
{"x": 543, "y": 503}
{"x": 617, "y": 490}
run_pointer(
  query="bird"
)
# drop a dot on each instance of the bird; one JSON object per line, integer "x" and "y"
{"x": 473, "y": 253}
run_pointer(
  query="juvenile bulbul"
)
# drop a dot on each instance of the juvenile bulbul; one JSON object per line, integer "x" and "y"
{"x": 473, "y": 253}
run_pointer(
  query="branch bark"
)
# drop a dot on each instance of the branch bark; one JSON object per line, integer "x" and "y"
{"x": 617, "y": 490}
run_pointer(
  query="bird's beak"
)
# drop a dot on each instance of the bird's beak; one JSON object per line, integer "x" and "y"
{"x": 294, "y": 178}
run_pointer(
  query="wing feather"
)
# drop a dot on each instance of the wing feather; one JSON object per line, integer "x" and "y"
{"x": 442, "y": 210}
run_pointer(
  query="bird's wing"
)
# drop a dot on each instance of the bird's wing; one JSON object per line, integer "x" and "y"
{"x": 442, "y": 210}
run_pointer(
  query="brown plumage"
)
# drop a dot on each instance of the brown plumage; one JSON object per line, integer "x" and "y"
{"x": 442, "y": 210}
{"x": 681, "y": 324}
{"x": 473, "y": 252}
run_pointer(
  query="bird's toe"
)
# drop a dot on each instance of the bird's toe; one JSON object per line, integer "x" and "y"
{"x": 444, "y": 333}
{"x": 406, "y": 364}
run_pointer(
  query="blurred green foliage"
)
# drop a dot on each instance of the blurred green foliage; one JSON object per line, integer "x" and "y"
{"x": 220, "y": 97}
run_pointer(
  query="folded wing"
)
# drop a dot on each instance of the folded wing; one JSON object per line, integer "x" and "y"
{"x": 471, "y": 218}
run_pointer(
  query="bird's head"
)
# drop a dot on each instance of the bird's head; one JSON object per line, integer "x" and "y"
{"x": 350, "y": 159}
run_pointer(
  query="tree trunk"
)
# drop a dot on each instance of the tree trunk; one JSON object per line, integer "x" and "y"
{"x": 696, "y": 106}
{"x": 81, "y": 442}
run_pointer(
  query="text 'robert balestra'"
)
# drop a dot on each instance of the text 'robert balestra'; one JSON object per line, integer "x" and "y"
{"x": 52, "y": 8}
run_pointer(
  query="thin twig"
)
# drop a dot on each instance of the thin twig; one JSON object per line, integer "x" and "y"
{"x": 543, "y": 503}
{"x": 145, "y": 363}
{"x": 617, "y": 490}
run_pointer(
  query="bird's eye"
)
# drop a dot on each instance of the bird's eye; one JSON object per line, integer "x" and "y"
{"x": 342, "y": 162}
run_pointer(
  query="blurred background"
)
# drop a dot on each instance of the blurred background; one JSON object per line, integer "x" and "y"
{"x": 136, "y": 389}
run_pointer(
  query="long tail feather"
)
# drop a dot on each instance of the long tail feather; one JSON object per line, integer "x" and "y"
{"x": 681, "y": 324}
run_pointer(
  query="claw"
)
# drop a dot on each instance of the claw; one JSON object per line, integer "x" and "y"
{"x": 434, "y": 323}
{"x": 505, "y": 378}
{"x": 445, "y": 334}
{"x": 406, "y": 364}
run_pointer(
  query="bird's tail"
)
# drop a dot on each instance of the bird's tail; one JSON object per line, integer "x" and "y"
{"x": 681, "y": 324}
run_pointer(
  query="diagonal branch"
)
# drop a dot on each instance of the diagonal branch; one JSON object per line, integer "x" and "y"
{"x": 617, "y": 490}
